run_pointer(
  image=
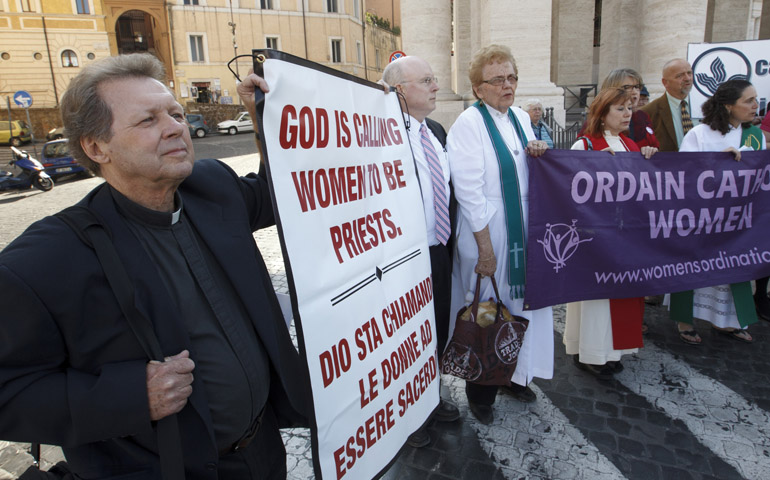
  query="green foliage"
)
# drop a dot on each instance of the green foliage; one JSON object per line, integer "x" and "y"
{"x": 383, "y": 23}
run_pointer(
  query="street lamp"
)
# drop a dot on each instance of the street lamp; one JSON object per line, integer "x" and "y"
{"x": 231, "y": 24}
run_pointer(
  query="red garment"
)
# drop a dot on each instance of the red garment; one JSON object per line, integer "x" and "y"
{"x": 765, "y": 123}
{"x": 640, "y": 130}
{"x": 626, "y": 314}
{"x": 599, "y": 143}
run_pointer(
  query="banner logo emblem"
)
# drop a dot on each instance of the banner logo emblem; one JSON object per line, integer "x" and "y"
{"x": 560, "y": 242}
{"x": 717, "y": 65}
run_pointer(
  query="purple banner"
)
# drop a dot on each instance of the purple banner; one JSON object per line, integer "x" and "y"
{"x": 604, "y": 226}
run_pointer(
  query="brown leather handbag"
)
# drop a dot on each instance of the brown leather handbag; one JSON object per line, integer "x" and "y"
{"x": 486, "y": 341}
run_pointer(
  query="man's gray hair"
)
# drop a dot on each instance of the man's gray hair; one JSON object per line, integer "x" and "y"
{"x": 394, "y": 73}
{"x": 85, "y": 114}
{"x": 531, "y": 103}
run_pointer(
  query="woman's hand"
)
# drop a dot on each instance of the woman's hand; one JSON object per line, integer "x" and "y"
{"x": 486, "y": 266}
{"x": 535, "y": 148}
{"x": 648, "y": 151}
{"x": 609, "y": 149}
{"x": 487, "y": 262}
{"x": 736, "y": 153}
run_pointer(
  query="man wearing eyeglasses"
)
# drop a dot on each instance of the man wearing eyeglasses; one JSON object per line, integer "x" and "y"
{"x": 413, "y": 79}
{"x": 671, "y": 113}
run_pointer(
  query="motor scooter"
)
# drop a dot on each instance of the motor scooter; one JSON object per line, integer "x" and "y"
{"x": 32, "y": 173}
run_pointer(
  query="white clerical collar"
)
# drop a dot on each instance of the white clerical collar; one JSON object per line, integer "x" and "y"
{"x": 497, "y": 113}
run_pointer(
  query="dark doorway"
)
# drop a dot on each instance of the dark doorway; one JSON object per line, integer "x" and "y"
{"x": 134, "y": 32}
{"x": 204, "y": 92}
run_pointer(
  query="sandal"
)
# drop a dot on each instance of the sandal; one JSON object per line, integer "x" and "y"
{"x": 694, "y": 338}
{"x": 740, "y": 335}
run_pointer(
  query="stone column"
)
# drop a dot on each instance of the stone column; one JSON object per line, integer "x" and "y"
{"x": 426, "y": 28}
{"x": 426, "y": 32}
{"x": 665, "y": 33}
{"x": 525, "y": 27}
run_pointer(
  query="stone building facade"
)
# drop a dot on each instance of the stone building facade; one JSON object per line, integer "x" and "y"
{"x": 564, "y": 48}
{"x": 43, "y": 43}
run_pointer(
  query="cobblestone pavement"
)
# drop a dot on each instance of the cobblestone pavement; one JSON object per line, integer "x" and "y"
{"x": 676, "y": 411}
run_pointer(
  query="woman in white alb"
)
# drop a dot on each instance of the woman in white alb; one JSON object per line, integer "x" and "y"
{"x": 598, "y": 332}
{"x": 726, "y": 127}
{"x": 489, "y": 238}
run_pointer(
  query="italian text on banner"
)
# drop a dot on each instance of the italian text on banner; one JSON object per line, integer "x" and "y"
{"x": 352, "y": 229}
{"x": 604, "y": 226}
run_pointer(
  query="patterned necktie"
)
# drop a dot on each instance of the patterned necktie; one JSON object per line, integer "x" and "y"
{"x": 686, "y": 120}
{"x": 439, "y": 190}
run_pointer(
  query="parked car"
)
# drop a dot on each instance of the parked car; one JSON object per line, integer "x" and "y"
{"x": 58, "y": 161}
{"x": 16, "y": 132}
{"x": 55, "y": 134}
{"x": 197, "y": 125}
{"x": 242, "y": 123}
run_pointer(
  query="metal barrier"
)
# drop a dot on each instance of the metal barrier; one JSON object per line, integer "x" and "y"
{"x": 563, "y": 137}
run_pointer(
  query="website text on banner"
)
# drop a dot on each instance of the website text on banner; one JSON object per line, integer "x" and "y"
{"x": 603, "y": 226}
{"x": 345, "y": 188}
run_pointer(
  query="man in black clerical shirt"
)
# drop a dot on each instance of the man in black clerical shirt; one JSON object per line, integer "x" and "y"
{"x": 74, "y": 374}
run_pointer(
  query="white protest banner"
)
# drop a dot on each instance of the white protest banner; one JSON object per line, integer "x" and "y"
{"x": 352, "y": 227}
{"x": 714, "y": 63}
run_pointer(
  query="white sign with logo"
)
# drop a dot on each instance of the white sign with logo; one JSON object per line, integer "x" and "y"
{"x": 715, "y": 63}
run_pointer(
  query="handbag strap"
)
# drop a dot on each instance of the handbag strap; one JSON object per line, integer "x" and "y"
{"x": 475, "y": 304}
{"x": 93, "y": 233}
{"x": 494, "y": 285}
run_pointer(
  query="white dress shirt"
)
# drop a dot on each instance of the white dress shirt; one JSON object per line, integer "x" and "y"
{"x": 426, "y": 182}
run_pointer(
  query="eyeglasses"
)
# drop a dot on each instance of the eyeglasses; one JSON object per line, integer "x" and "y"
{"x": 497, "y": 81}
{"x": 423, "y": 81}
{"x": 638, "y": 86}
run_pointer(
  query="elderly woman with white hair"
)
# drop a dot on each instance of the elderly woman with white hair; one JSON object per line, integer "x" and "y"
{"x": 488, "y": 147}
{"x": 534, "y": 107}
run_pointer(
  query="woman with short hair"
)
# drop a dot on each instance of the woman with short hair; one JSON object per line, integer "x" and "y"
{"x": 640, "y": 128}
{"x": 488, "y": 147}
{"x": 534, "y": 108}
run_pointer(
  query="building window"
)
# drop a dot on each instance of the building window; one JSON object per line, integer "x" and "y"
{"x": 26, "y": 6}
{"x": 196, "y": 48}
{"x": 336, "y": 51}
{"x": 82, "y": 7}
{"x": 69, "y": 59}
{"x": 266, "y": 4}
{"x": 358, "y": 52}
{"x": 331, "y": 6}
{"x": 272, "y": 43}
{"x": 356, "y": 9}
{"x": 191, "y": 2}
{"x": 377, "y": 58}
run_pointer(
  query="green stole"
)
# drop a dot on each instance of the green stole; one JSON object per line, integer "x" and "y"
{"x": 509, "y": 181}
{"x": 681, "y": 302}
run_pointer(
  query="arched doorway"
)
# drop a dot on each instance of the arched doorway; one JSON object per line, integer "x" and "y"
{"x": 134, "y": 32}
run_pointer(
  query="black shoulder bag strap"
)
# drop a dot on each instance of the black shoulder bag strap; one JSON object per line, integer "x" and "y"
{"x": 93, "y": 233}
